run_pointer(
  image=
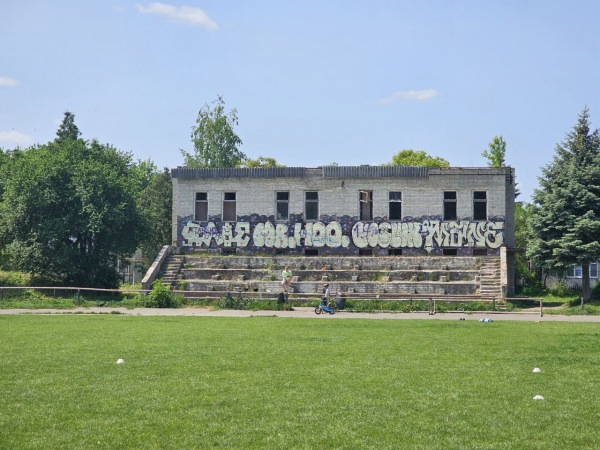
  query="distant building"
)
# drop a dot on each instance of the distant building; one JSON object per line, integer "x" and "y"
{"x": 347, "y": 210}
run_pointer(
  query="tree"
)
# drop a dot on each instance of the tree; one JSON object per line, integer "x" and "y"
{"x": 68, "y": 129}
{"x": 418, "y": 158}
{"x": 496, "y": 152}
{"x": 156, "y": 205}
{"x": 261, "y": 161}
{"x": 215, "y": 142}
{"x": 69, "y": 212}
{"x": 526, "y": 275}
{"x": 565, "y": 222}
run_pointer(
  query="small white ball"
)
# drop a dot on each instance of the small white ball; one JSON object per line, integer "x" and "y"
{"x": 120, "y": 361}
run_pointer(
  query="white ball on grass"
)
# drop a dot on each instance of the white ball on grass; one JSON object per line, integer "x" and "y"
{"x": 120, "y": 361}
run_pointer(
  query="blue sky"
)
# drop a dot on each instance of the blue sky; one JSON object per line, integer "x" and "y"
{"x": 314, "y": 82}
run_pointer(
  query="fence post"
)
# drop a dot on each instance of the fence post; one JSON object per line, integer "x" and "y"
{"x": 541, "y": 307}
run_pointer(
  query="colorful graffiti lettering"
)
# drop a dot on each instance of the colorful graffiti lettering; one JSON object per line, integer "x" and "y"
{"x": 427, "y": 234}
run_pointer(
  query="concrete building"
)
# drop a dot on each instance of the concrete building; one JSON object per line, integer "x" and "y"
{"x": 347, "y": 210}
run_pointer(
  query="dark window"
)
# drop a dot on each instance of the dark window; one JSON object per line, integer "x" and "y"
{"x": 229, "y": 208}
{"x": 395, "y": 206}
{"x": 311, "y": 252}
{"x": 480, "y": 252}
{"x": 283, "y": 205}
{"x": 366, "y": 205}
{"x": 479, "y": 205}
{"x": 228, "y": 251}
{"x": 449, "y": 205}
{"x": 365, "y": 252}
{"x": 450, "y": 252}
{"x": 395, "y": 252}
{"x": 201, "y": 210}
{"x": 311, "y": 205}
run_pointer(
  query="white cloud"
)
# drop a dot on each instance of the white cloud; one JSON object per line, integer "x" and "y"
{"x": 8, "y": 82}
{"x": 422, "y": 95}
{"x": 14, "y": 137}
{"x": 186, "y": 14}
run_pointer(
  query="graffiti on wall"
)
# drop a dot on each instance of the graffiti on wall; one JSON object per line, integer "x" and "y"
{"x": 425, "y": 234}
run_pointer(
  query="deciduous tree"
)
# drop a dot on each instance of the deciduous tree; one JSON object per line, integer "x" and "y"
{"x": 261, "y": 161}
{"x": 418, "y": 158}
{"x": 69, "y": 211}
{"x": 156, "y": 206}
{"x": 215, "y": 142}
{"x": 496, "y": 152}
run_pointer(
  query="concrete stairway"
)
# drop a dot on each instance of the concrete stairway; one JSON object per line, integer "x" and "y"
{"x": 490, "y": 284}
{"x": 170, "y": 270}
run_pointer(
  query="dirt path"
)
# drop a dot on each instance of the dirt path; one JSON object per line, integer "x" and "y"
{"x": 305, "y": 312}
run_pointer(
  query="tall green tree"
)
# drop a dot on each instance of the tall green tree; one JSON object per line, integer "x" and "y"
{"x": 565, "y": 222}
{"x": 496, "y": 152}
{"x": 69, "y": 212}
{"x": 215, "y": 142}
{"x": 418, "y": 158}
{"x": 526, "y": 274}
{"x": 155, "y": 202}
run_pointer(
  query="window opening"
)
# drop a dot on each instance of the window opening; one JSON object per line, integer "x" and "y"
{"x": 395, "y": 200}
{"x": 311, "y": 205}
{"x": 449, "y": 205}
{"x": 201, "y": 208}
{"x": 366, "y": 205}
{"x": 283, "y": 205}
{"x": 479, "y": 205}
{"x": 229, "y": 207}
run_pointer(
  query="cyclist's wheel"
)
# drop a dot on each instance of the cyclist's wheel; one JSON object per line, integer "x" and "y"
{"x": 332, "y": 310}
{"x": 318, "y": 310}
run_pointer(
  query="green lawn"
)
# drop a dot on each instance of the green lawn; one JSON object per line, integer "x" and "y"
{"x": 192, "y": 382}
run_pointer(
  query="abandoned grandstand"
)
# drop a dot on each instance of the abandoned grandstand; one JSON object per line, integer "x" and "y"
{"x": 391, "y": 229}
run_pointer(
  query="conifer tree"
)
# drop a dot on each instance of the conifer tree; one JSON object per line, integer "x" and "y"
{"x": 565, "y": 223}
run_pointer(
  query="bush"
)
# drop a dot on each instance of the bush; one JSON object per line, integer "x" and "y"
{"x": 161, "y": 297}
{"x": 596, "y": 291}
{"x": 562, "y": 290}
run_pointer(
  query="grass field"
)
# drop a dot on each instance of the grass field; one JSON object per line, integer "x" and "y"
{"x": 191, "y": 382}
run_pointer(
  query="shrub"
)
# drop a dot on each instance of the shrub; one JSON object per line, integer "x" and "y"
{"x": 161, "y": 297}
{"x": 562, "y": 290}
{"x": 596, "y": 291}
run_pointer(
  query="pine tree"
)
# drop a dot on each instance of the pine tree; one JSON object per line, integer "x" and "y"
{"x": 68, "y": 129}
{"x": 565, "y": 223}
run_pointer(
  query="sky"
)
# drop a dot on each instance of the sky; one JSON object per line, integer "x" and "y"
{"x": 313, "y": 82}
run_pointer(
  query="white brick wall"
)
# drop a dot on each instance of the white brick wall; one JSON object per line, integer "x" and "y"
{"x": 337, "y": 196}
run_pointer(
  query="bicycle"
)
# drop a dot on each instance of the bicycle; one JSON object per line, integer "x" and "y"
{"x": 325, "y": 308}
{"x": 231, "y": 302}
